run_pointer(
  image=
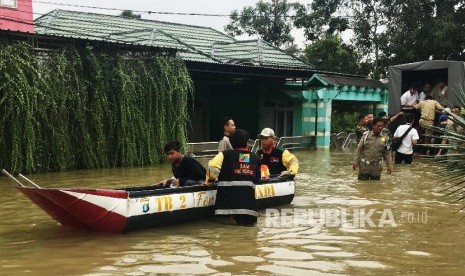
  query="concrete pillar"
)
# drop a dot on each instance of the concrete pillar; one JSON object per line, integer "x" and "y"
{"x": 316, "y": 118}
{"x": 324, "y": 123}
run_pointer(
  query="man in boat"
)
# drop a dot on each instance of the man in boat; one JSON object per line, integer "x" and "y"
{"x": 186, "y": 170}
{"x": 371, "y": 150}
{"x": 237, "y": 171}
{"x": 228, "y": 128}
{"x": 279, "y": 161}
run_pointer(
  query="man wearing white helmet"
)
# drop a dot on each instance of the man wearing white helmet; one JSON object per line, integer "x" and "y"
{"x": 278, "y": 160}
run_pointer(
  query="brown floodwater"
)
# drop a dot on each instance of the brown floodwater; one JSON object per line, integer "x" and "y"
{"x": 336, "y": 225}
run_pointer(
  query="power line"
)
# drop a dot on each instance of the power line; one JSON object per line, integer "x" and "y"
{"x": 158, "y": 12}
{"x": 136, "y": 11}
{"x": 87, "y": 31}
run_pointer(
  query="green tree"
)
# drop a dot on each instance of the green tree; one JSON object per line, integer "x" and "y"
{"x": 270, "y": 21}
{"x": 419, "y": 30}
{"x": 330, "y": 53}
{"x": 369, "y": 20}
{"x": 320, "y": 18}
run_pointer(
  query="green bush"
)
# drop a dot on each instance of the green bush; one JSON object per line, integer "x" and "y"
{"x": 344, "y": 122}
{"x": 85, "y": 109}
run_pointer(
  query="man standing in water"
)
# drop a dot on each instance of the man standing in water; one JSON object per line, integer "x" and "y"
{"x": 237, "y": 171}
{"x": 371, "y": 150}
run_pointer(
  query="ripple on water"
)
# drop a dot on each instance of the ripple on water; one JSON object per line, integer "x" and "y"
{"x": 248, "y": 259}
{"x": 287, "y": 254}
{"x": 365, "y": 264}
{"x": 109, "y": 268}
{"x": 285, "y": 270}
{"x": 345, "y": 201}
{"x": 294, "y": 241}
{"x": 322, "y": 248}
{"x": 323, "y": 236}
{"x": 335, "y": 254}
{"x": 317, "y": 265}
{"x": 351, "y": 229}
{"x": 128, "y": 260}
{"x": 183, "y": 258}
{"x": 287, "y": 233}
{"x": 417, "y": 253}
{"x": 186, "y": 269}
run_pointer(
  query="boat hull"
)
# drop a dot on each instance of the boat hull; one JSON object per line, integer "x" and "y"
{"x": 130, "y": 209}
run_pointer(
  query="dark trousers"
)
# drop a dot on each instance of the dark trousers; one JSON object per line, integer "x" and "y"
{"x": 407, "y": 158}
{"x": 367, "y": 176}
{"x": 369, "y": 171}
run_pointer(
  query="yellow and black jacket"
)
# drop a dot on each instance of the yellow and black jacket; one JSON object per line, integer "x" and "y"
{"x": 279, "y": 160}
{"x": 237, "y": 172}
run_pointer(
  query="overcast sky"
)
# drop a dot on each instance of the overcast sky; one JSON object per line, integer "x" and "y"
{"x": 222, "y": 7}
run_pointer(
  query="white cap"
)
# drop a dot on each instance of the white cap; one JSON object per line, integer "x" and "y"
{"x": 267, "y": 132}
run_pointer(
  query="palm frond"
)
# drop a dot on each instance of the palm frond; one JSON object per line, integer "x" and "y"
{"x": 453, "y": 172}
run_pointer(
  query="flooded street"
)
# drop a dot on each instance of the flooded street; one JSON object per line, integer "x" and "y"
{"x": 336, "y": 225}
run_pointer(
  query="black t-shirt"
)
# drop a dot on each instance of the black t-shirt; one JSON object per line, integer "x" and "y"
{"x": 189, "y": 168}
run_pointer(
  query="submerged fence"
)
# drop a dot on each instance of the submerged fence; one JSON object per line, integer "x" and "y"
{"x": 343, "y": 141}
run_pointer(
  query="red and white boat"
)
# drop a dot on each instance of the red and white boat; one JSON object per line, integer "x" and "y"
{"x": 128, "y": 209}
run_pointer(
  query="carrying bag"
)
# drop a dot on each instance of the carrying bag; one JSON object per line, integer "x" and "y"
{"x": 398, "y": 141}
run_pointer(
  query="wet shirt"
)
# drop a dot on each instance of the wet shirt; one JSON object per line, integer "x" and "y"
{"x": 373, "y": 148}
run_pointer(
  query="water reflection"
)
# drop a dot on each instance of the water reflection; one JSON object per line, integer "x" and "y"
{"x": 32, "y": 242}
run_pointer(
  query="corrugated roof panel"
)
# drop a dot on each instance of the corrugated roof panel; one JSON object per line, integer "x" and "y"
{"x": 258, "y": 52}
{"x": 196, "y": 43}
{"x": 350, "y": 81}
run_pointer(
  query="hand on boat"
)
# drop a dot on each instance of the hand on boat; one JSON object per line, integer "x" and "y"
{"x": 286, "y": 172}
{"x": 162, "y": 183}
{"x": 174, "y": 183}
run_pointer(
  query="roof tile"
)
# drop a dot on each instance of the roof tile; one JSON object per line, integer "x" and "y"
{"x": 195, "y": 43}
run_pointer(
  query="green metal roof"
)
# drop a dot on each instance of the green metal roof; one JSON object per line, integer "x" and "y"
{"x": 195, "y": 43}
{"x": 319, "y": 80}
{"x": 256, "y": 52}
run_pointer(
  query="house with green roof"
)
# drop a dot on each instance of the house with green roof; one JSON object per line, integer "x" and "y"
{"x": 256, "y": 83}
